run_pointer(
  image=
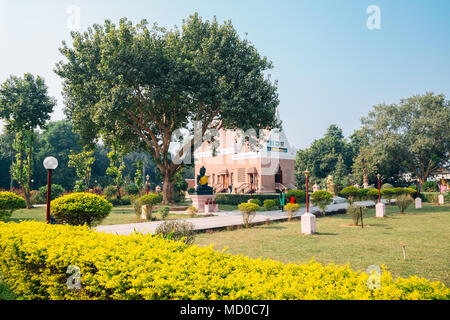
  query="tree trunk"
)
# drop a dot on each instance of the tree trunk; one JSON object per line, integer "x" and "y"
{"x": 167, "y": 189}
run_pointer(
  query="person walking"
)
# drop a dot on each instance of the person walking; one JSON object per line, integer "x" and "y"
{"x": 292, "y": 199}
{"x": 282, "y": 200}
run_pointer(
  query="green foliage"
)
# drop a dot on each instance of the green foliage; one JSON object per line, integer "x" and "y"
{"x": 256, "y": 201}
{"x": 123, "y": 201}
{"x": 363, "y": 193}
{"x": 177, "y": 231}
{"x": 291, "y": 208}
{"x": 35, "y": 259}
{"x": 82, "y": 162}
{"x": 351, "y": 193}
{"x": 236, "y": 199}
{"x": 430, "y": 186}
{"x": 202, "y": 73}
{"x": 192, "y": 211}
{"x": 191, "y": 191}
{"x": 330, "y": 155}
{"x": 356, "y": 212}
{"x": 248, "y": 211}
{"x": 80, "y": 208}
{"x": 322, "y": 199}
{"x": 403, "y": 202}
{"x": 56, "y": 191}
{"x": 110, "y": 191}
{"x": 132, "y": 189}
{"x": 9, "y": 202}
{"x": 373, "y": 194}
{"x": 164, "y": 211}
{"x": 299, "y": 195}
{"x": 387, "y": 186}
{"x": 270, "y": 204}
{"x": 139, "y": 175}
{"x": 150, "y": 199}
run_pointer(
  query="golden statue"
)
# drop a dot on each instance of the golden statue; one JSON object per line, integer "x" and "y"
{"x": 331, "y": 187}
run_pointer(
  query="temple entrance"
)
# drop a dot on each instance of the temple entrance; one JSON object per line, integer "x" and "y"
{"x": 279, "y": 175}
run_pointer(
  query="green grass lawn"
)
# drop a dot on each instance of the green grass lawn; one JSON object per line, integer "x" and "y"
{"x": 118, "y": 215}
{"x": 425, "y": 233}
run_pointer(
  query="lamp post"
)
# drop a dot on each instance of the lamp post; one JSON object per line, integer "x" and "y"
{"x": 32, "y": 182}
{"x": 148, "y": 178}
{"x": 50, "y": 163}
{"x": 307, "y": 195}
{"x": 380, "y": 208}
{"x": 379, "y": 189}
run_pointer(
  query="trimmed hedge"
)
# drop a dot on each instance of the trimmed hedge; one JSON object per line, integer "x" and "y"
{"x": 9, "y": 202}
{"x": 299, "y": 195}
{"x": 236, "y": 199}
{"x": 80, "y": 208}
{"x": 36, "y": 256}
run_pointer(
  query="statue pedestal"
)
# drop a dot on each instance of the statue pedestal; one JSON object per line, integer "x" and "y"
{"x": 199, "y": 201}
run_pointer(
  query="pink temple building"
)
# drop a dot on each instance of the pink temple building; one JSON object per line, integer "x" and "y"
{"x": 260, "y": 166}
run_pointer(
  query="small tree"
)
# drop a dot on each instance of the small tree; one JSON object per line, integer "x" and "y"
{"x": 291, "y": 208}
{"x": 149, "y": 200}
{"x": 403, "y": 202}
{"x": 82, "y": 162}
{"x": 248, "y": 211}
{"x": 139, "y": 175}
{"x": 192, "y": 211}
{"x": 356, "y": 212}
{"x": 164, "y": 212}
{"x": 322, "y": 199}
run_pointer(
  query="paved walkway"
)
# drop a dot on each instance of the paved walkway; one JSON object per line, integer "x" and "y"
{"x": 223, "y": 219}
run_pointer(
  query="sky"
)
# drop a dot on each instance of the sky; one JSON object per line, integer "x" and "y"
{"x": 331, "y": 64}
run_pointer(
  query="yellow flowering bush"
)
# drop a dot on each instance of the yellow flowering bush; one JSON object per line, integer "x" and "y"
{"x": 36, "y": 256}
{"x": 9, "y": 202}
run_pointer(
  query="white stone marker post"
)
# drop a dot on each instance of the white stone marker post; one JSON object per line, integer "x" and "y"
{"x": 308, "y": 220}
{"x": 418, "y": 203}
{"x": 380, "y": 208}
{"x": 441, "y": 199}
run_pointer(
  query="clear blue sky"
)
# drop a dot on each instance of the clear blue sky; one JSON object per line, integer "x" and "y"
{"x": 331, "y": 68}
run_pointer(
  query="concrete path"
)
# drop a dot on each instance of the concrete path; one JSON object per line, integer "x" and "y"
{"x": 222, "y": 219}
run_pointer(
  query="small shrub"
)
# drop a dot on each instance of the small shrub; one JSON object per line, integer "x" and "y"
{"x": 363, "y": 194}
{"x": 9, "y": 202}
{"x": 110, "y": 191}
{"x": 149, "y": 200}
{"x": 291, "y": 208}
{"x": 270, "y": 204}
{"x": 191, "y": 191}
{"x": 80, "y": 208}
{"x": 322, "y": 199}
{"x": 356, "y": 212}
{"x": 132, "y": 189}
{"x": 248, "y": 211}
{"x": 177, "y": 230}
{"x": 164, "y": 212}
{"x": 255, "y": 201}
{"x": 351, "y": 193}
{"x": 404, "y": 201}
{"x": 56, "y": 192}
{"x": 192, "y": 211}
{"x": 430, "y": 186}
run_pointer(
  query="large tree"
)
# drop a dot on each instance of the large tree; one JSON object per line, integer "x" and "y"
{"x": 145, "y": 83}
{"x": 411, "y": 136}
{"x": 25, "y": 106}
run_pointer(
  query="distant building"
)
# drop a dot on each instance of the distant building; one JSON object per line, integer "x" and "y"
{"x": 240, "y": 168}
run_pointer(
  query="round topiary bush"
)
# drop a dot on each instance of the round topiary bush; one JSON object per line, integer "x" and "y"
{"x": 291, "y": 208}
{"x": 351, "y": 193}
{"x": 322, "y": 199}
{"x": 373, "y": 194}
{"x": 192, "y": 211}
{"x": 270, "y": 204}
{"x": 80, "y": 208}
{"x": 9, "y": 202}
{"x": 149, "y": 200}
{"x": 248, "y": 211}
{"x": 387, "y": 186}
{"x": 255, "y": 201}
